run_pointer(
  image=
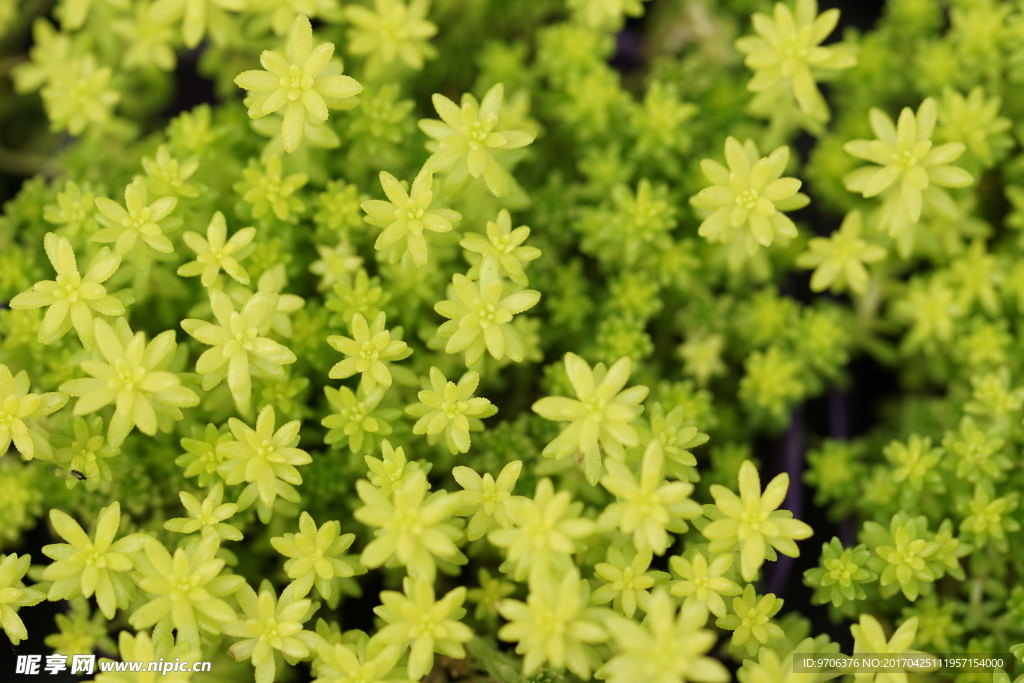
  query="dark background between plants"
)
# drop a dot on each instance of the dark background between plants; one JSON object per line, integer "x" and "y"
{"x": 26, "y": 144}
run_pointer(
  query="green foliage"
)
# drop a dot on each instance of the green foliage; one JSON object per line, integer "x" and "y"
{"x": 751, "y": 521}
{"x": 545, "y": 533}
{"x": 415, "y": 530}
{"x": 502, "y": 249}
{"x": 450, "y": 409}
{"x": 747, "y": 197}
{"x": 787, "y": 57}
{"x": 186, "y": 589}
{"x": 554, "y": 625}
{"x": 647, "y": 506}
{"x": 367, "y": 660}
{"x": 599, "y": 416}
{"x": 627, "y": 580}
{"x": 271, "y": 626}
{"x": 367, "y": 351}
{"x": 414, "y": 619}
{"x": 839, "y": 260}
{"x": 78, "y": 96}
{"x": 750, "y": 620}
{"x": 139, "y": 221}
{"x": 463, "y": 140}
{"x": 265, "y": 458}
{"x": 80, "y": 632}
{"x": 133, "y": 376}
{"x": 207, "y": 517}
{"x": 358, "y": 418}
{"x": 15, "y": 595}
{"x": 904, "y": 555}
{"x": 392, "y": 469}
{"x": 909, "y": 172}
{"x": 668, "y": 646}
{"x": 771, "y": 383}
{"x": 703, "y": 582}
{"x": 868, "y": 636}
{"x": 196, "y": 16}
{"x": 239, "y": 345}
{"x": 359, "y": 422}
{"x": 267, "y": 191}
{"x": 480, "y": 317}
{"x": 304, "y": 82}
{"x": 71, "y": 299}
{"x": 315, "y": 555}
{"x": 18, "y": 406}
{"x": 405, "y": 215}
{"x": 87, "y": 566}
{"x": 486, "y": 500}
{"x": 215, "y": 252}
{"x": 841, "y": 574}
{"x": 393, "y": 31}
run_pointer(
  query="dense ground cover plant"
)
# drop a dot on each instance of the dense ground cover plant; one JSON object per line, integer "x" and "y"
{"x": 471, "y": 340}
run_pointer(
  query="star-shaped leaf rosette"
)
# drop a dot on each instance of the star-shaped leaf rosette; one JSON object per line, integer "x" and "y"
{"x": 788, "y": 59}
{"x": 304, "y": 82}
{"x": 752, "y": 523}
{"x": 747, "y": 199}
{"x": 72, "y": 299}
{"x": 466, "y": 138}
{"x": 407, "y": 214}
{"x": 907, "y": 171}
{"x": 238, "y": 345}
{"x": 600, "y": 417}
{"x": 14, "y": 594}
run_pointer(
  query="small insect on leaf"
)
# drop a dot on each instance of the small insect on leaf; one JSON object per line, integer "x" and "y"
{"x": 64, "y": 474}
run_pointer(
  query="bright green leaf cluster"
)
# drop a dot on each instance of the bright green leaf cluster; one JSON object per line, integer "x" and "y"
{"x": 367, "y": 351}
{"x": 15, "y": 595}
{"x": 415, "y": 530}
{"x": 407, "y": 214}
{"x": 786, "y": 56}
{"x": 909, "y": 172}
{"x": 316, "y": 555}
{"x": 466, "y": 138}
{"x": 751, "y": 522}
{"x": 263, "y": 457}
{"x": 304, "y": 82}
{"x": 215, "y": 252}
{"x": 600, "y": 417}
{"x": 97, "y": 565}
{"x": 415, "y": 619}
{"x": 18, "y": 413}
{"x": 238, "y": 344}
{"x": 131, "y": 374}
{"x": 186, "y": 590}
{"x": 450, "y": 409}
{"x": 480, "y": 317}
{"x": 747, "y": 198}
{"x": 72, "y": 299}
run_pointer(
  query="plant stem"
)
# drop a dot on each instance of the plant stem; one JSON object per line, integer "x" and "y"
{"x": 24, "y": 163}
{"x": 8, "y": 63}
{"x": 867, "y": 305}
